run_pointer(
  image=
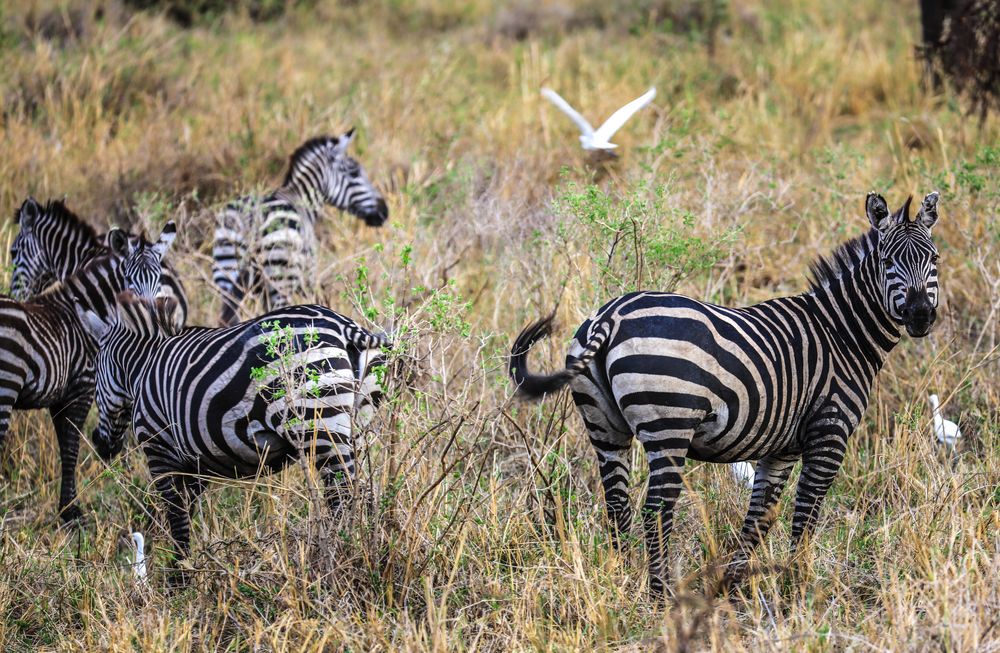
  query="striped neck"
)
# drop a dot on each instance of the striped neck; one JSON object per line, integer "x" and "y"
{"x": 93, "y": 288}
{"x": 306, "y": 187}
{"x": 849, "y": 307}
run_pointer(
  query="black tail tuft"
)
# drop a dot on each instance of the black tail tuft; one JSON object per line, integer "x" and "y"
{"x": 535, "y": 385}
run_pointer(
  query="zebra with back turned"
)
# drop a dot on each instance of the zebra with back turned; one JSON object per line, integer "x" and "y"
{"x": 779, "y": 381}
{"x": 267, "y": 245}
{"x": 48, "y": 355}
{"x": 52, "y": 244}
{"x": 236, "y": 401}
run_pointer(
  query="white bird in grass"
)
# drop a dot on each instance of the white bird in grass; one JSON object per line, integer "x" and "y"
{"x": 946, "y": 431}
{"x": 139, "y": 565}
{"x": 744, "y": 473}
{"x": 600, "y": 138}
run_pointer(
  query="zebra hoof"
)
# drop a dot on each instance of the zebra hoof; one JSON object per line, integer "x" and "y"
{"x": 178, "y": 579}
{"x": 71, "y": 516}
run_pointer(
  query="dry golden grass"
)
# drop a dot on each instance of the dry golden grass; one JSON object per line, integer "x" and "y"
{"x": 480, "y": 524}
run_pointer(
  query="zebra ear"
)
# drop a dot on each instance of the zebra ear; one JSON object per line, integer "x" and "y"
{"x": 92, "y": 322}
{"x": 118, "y": 242}
{"x": 166, "y": 238}
{"x": 345, "y": 140}
{"x": 927, "y": 215}
{"x": 29, "y": 213}
{"x": 877, "y": 211}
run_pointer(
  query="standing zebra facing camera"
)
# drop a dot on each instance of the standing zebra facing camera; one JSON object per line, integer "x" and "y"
{"x": 236, "y": 401}
{"x": 779, "y": 381}
{"x": 53, "y": 244}
{"x": 48, "y": 354}
{"x": 267, "y": 245}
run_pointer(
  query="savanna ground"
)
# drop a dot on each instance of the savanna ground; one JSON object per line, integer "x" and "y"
{"x": 480, "y": 524}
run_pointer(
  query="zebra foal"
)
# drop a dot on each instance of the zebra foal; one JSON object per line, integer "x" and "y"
{"x": 48, "y": 355}
{"x": 779, "y": 381}
{"x": 267, "y": 245}
{"x": 232, "y": 402}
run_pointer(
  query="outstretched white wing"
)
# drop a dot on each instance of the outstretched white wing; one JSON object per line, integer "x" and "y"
{"x": 620, "y": 117}
{"x": 580, "y": 121}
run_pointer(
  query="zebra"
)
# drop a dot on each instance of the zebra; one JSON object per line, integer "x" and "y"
{"x": 48, "y": 359}
{"x": 53, "y": 244}
{"x": 779, "y": 381}
{"x": 267, "y": 245}
{"x": 233, "y": 402}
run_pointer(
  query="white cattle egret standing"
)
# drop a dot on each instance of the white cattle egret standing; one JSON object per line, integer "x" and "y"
{"x": 139, "y": 565}
{"x": 946, "y": 431}
{"x": 743, "y": 473}
{"x": 600, "y": 138}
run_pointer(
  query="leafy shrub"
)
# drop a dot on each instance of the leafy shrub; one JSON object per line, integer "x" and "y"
{"x": 636, "y": 240}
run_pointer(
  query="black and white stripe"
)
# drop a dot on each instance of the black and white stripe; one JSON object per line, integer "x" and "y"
{"x": 780, "y": 381}
{"x": 233, "y": 402}
{"x": 53, "y": 243}
{"x": 48, "y": 355}
{"x": 266, "y": 246}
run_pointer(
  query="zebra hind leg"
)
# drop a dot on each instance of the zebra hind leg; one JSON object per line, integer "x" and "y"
{"x": 612, "y": 440}
{"x": 174, "y": 494}
{"x": 337, "y": 473}
{"x": 769, "y": 482}
{"x": 666, "y": 455}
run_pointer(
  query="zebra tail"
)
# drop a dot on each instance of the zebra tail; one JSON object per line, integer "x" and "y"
{"x": 535, "y": 385}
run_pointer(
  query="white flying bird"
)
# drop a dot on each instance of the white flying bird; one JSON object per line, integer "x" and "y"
{"x": 946, "y": 431}
{"x": 599, "y": 139}
{"x": 139, "y": 566}
{"x": 743, "y": 473}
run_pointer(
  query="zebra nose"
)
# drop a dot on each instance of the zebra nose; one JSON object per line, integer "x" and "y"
{"x": 377, "y": 217}
{"x": 918, "y": 311}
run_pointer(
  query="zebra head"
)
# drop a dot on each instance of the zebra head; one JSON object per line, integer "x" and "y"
{"x": 29, "y": 255}
{"x": 143, "y": 262}
{"x": 907, "y": 260}
{"x": 137, "y": 323}
{"x": 323, "y": 163}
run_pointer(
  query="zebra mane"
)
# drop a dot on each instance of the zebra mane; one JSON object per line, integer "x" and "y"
{"x": 306, "y": 150}
{"x": 61, "y": 213}
{"x": 844, "y": 260}
{"x": 147, "y": 316}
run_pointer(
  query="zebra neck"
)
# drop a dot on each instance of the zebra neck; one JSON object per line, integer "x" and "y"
{"x": 305, "y": 191}
{"x": 76, "y": 261}
{"x": 132, "y": 353}
{"x": 850, "y": 309}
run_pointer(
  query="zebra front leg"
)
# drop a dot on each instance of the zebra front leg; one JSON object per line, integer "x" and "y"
{"x": 68, "y": 419}
{"x": 769, "y": 482}
{"x": 820, "y": 463}
{"x": 666, "y": 464}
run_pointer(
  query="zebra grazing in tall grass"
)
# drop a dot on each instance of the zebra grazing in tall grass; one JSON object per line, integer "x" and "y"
{"x": 233, "y": 402}
{"x": 48, "y": 355}
{"x": 779, "y": 381}
{"x": 53, "y": 244}
{"x": 266, "y": 246}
